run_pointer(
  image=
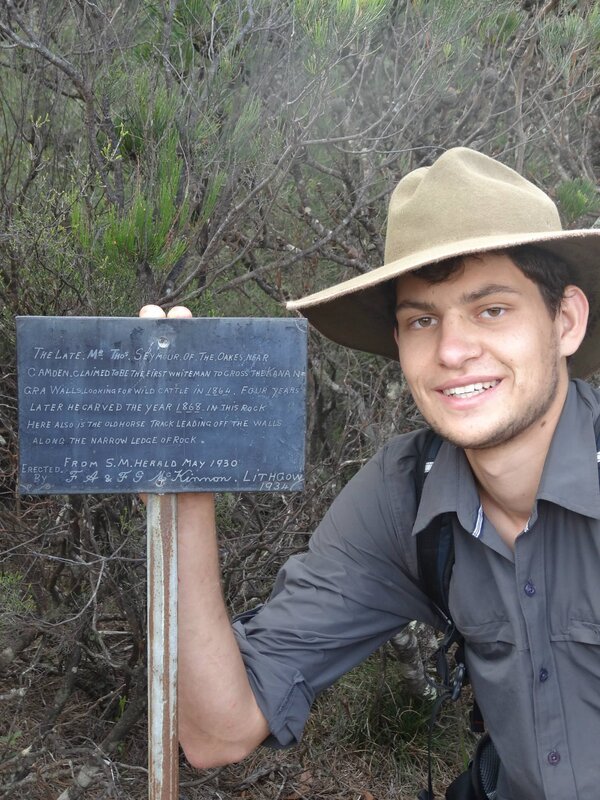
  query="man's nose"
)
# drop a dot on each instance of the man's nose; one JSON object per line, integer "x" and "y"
{"x": 459, "y": 341}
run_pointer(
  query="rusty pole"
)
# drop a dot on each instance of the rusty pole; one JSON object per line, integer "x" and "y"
{"x": 163, "y": 754}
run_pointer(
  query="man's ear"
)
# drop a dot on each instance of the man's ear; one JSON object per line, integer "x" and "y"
{"x": 572, "y": 319}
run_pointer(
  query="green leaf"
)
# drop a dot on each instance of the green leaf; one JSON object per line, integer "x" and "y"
{"x": 576, "y": 198}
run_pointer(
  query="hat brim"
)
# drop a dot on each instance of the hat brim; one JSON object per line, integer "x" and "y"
{"x": 358, "y": 313}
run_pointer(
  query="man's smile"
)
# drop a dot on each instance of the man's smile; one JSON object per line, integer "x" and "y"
{"x": 470, "y": 389}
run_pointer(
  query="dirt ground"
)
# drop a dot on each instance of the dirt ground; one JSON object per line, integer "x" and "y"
{"x": 365, "y": 740}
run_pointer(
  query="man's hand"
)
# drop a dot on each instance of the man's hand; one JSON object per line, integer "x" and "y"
{"x": 156, "y": 312}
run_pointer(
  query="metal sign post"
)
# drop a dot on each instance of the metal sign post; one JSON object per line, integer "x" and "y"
{"x": 163, "y": 760}
{"x": 161, "y": 406}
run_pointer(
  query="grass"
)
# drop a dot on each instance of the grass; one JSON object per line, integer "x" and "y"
{"x": 366, "y": 739}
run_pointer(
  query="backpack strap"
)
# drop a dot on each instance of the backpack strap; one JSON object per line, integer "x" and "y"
{"x": 435, "y": 559}
{"x": 435, "y": 543}
{"x": 597, "y": 433}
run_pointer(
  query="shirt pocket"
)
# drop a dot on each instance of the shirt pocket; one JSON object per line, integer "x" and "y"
{"x": 578, "y": 651}
{"x": 581, "y": 631}
{"x": 490, "y": 641}
{"x": 577, "y": 654}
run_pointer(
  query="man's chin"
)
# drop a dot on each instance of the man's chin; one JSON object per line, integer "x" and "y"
{"x": 480, "y": 432}
{"x": 471, "y": 441}
{"x": 487, "y": 439}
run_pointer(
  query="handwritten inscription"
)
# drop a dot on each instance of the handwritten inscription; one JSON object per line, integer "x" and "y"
{"x": 124, "y": 405}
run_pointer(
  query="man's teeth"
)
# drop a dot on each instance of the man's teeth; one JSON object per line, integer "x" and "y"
{"x": 470, "y": 389}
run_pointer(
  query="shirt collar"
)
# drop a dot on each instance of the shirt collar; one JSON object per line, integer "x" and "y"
{"x": 449, "y": 487}
{"x": 569, "y": 479}
{"x": 570, "y": 476}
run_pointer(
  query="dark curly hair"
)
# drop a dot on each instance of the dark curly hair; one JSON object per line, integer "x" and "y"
{"x": 549, "y": 273}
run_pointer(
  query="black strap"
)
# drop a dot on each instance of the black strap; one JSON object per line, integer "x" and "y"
{"x": 435, "y": 558}
{"x": 435, "y": 554}
{"x": 435, "y": 544}
{"x": 597, "y": 432}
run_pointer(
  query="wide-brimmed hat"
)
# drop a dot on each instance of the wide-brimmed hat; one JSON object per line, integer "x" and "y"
{"x": 464, "y": 203}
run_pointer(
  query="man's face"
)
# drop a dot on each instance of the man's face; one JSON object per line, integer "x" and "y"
{"x": 480, "y": 352}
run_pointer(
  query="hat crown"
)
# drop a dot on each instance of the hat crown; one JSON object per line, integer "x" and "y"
{"x": 465, "y": 196}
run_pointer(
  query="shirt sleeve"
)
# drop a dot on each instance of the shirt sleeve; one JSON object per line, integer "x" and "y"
{"x": 335, "y": 604}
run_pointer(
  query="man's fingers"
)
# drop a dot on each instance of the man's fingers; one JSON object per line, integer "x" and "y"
{"x": 180, "y": 312}
{"x": 154, "y": 312}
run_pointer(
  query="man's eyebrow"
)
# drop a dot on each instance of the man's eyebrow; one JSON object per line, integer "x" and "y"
{"x": 485, "y": 291}
{"x": 417, "y": 305}
{"x": 468, "y": 297}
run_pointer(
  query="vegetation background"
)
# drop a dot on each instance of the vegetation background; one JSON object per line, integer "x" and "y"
{"x": 228, "y": 155}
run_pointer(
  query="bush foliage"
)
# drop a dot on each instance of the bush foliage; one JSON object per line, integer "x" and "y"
{"x": 229, "y": 155}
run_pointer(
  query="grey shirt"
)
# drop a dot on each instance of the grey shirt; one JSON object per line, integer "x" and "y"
{"x": 530, "y": 619}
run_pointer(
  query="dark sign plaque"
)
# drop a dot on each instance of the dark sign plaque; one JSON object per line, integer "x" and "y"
{"x": 115, "y": 404}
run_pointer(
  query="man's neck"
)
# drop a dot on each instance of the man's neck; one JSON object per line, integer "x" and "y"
{"x": 508, "y": 475}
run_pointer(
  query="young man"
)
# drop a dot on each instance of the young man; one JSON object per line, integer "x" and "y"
{"x": 483, "y": 330}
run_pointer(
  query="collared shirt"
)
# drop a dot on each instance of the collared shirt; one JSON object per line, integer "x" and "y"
{"x": 530, "y": 618}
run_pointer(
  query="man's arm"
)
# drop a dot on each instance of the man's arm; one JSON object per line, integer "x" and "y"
{"x": 219, "y": 719}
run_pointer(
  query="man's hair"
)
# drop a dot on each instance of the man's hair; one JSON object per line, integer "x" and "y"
{"x": 549, "y": 273}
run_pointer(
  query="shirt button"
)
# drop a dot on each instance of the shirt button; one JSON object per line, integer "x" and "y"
{"x": 544, "y": 675}
{"x": 529, "y": 589}
{"x": 553, "y": 757}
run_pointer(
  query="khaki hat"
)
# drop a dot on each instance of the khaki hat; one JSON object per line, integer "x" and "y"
{"x": 464, "y": 203}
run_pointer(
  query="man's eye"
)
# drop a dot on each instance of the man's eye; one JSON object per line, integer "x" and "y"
{"x": 422, "y": 322}
{"x": 493, "y": 312}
